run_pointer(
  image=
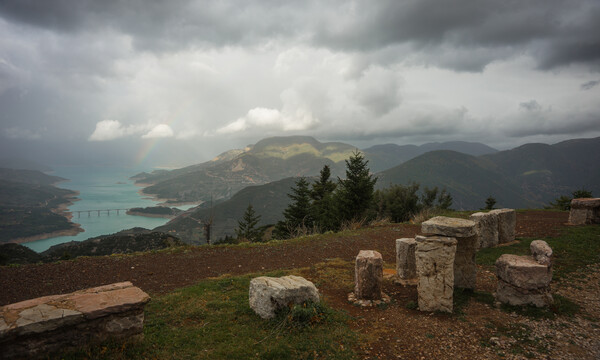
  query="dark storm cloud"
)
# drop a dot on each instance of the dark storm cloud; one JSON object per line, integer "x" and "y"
{"x": 162, "y": 25}
{"x": 555, "y": 33}
{"x": 530, "y": 106}
{"x": 590, "y": 84}
{"x": 464, "y": 35}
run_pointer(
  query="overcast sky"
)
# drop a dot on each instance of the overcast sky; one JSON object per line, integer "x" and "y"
{"x": 138, "y": 81}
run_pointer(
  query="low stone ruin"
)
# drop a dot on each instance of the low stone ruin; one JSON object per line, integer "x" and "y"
{"x": 464, "y": 231}
{"x": 435, "y": 270}
{"x": 269, "y": 294}
{"x": 507, "y": 221}
{"x": 525, "y": 280}
{"x": 34, "y": 328}
{"x": 495, "y": 227}
{"x": 406, "y": 268}
{"x": 368, "y": 276}
{"x": 487, "y": 228}
{"x": 585, "y": 211}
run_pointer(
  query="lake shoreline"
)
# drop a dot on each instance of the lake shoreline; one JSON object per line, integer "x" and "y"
{"x": 63, "y": 210}
{"x": 164, "y": 201}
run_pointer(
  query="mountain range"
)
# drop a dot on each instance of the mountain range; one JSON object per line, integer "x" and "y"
{"x": 274, "y": 159}
{"x": 529, "y": 176}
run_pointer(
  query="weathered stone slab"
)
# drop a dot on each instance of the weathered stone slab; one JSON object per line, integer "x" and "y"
{"x": 269, "y": 294}
{"x": 487, "y": 228}
{"x": 541, "y": 252}
{"x": 507, "y": 222}
{"x": 465, "y": 232}
{"x": 406, "y": 267}
{"x": 435, "y": 270}
{"x": 522, "y": 280}
{"x": 512, "y": 295}
{"x": 447, "y": 226}
{"x": 368, "y": 275}
{"x": 523, "y": 271}
{"x": 585, "y": 211}
{"x": 36, "y": 327}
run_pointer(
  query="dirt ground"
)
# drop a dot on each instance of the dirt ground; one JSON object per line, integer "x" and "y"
{"x": 395, "y": 331}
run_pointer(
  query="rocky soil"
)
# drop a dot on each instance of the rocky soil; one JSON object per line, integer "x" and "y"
{"x": 395, "y": 331}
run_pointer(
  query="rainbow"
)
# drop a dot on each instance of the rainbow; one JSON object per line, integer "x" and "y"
{"x": 148, "y": 145}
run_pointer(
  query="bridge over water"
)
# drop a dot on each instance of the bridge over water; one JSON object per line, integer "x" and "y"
{"x": 98, "y": 212}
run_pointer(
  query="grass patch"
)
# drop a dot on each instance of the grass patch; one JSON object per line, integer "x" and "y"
{"x": 575, "y": 248}
{"x": 212, "y": 320}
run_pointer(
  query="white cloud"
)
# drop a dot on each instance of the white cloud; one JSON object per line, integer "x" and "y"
{"x": 159, "y": 131}
{"x": 272, "y": 120}
{"x": 112, "y": 129}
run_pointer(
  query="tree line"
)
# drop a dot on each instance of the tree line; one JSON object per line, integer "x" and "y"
{"x": 328, "y": 205}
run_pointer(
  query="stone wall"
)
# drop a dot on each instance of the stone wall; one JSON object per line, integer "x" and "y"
{"x": 34, "y": 328}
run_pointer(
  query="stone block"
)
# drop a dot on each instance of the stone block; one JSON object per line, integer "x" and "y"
{"x": 368, "y": 275}
{"x": 541, "y": 252}
{"x": 33, "y": 328}
{"x": 523, "y": 271}
{"x": 447, "y": 226}
{"x": 507, "y": 222}
{"x": 512, "y": 295}
{"x": 269, "y": 294}
{"x": 465, "y": 233}
{"x": 522, "y": 280}
{"x": 465, "y": 270}
{"x": 435, "y": 270}
{"x": 406, "y": 267}
{"x": 585, "y": 211}
{"x": 487, "y": 228}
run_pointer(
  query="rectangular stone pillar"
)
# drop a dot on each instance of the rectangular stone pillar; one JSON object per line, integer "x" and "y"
{"x": 464, "y": 231}
{"x": 507, "y": 222}
{"x": 435, "y": 270}
{"x": 368, "y": 275}
{"x": 585, "y": 211}
{"x": 406, "y": 267}
{"x": 487, "y": 229}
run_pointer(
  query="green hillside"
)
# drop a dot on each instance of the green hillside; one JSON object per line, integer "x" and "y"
{"x": 27, "y": 199}
{"x": 531, "y": 175}
{"x": 470, "y": 180}
{"x": 28, "y": 176}
{"x": 268, "y": 200}
{"x": 544, "y": 172}
{"x": 269, "y": 160}
{"x": 383, "y": 157}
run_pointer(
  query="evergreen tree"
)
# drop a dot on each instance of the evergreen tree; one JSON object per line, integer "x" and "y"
{"x": 323, "y": 210}
{"x": 399, "y": 203}
{"x": 297, "y": 216}
{"x": 489, "y": 203}
{"x": 355, "y": 193}
{"x": 444, "y": 200}
{"x": 247, "y": 226}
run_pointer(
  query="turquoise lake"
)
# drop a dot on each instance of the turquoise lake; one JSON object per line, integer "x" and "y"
{"x": 102, "y": 188}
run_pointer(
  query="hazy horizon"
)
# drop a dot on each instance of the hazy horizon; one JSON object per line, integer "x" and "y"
{"x": 172, "y": 84}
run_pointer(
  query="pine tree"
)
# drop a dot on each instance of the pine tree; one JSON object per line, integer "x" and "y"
{"x": 297, "y": 216}
{"x": 355, "y": 193}
{"x": 247, "y": 226}
{"x": 323, "y": 208}
{"x": 489, "y": 203}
